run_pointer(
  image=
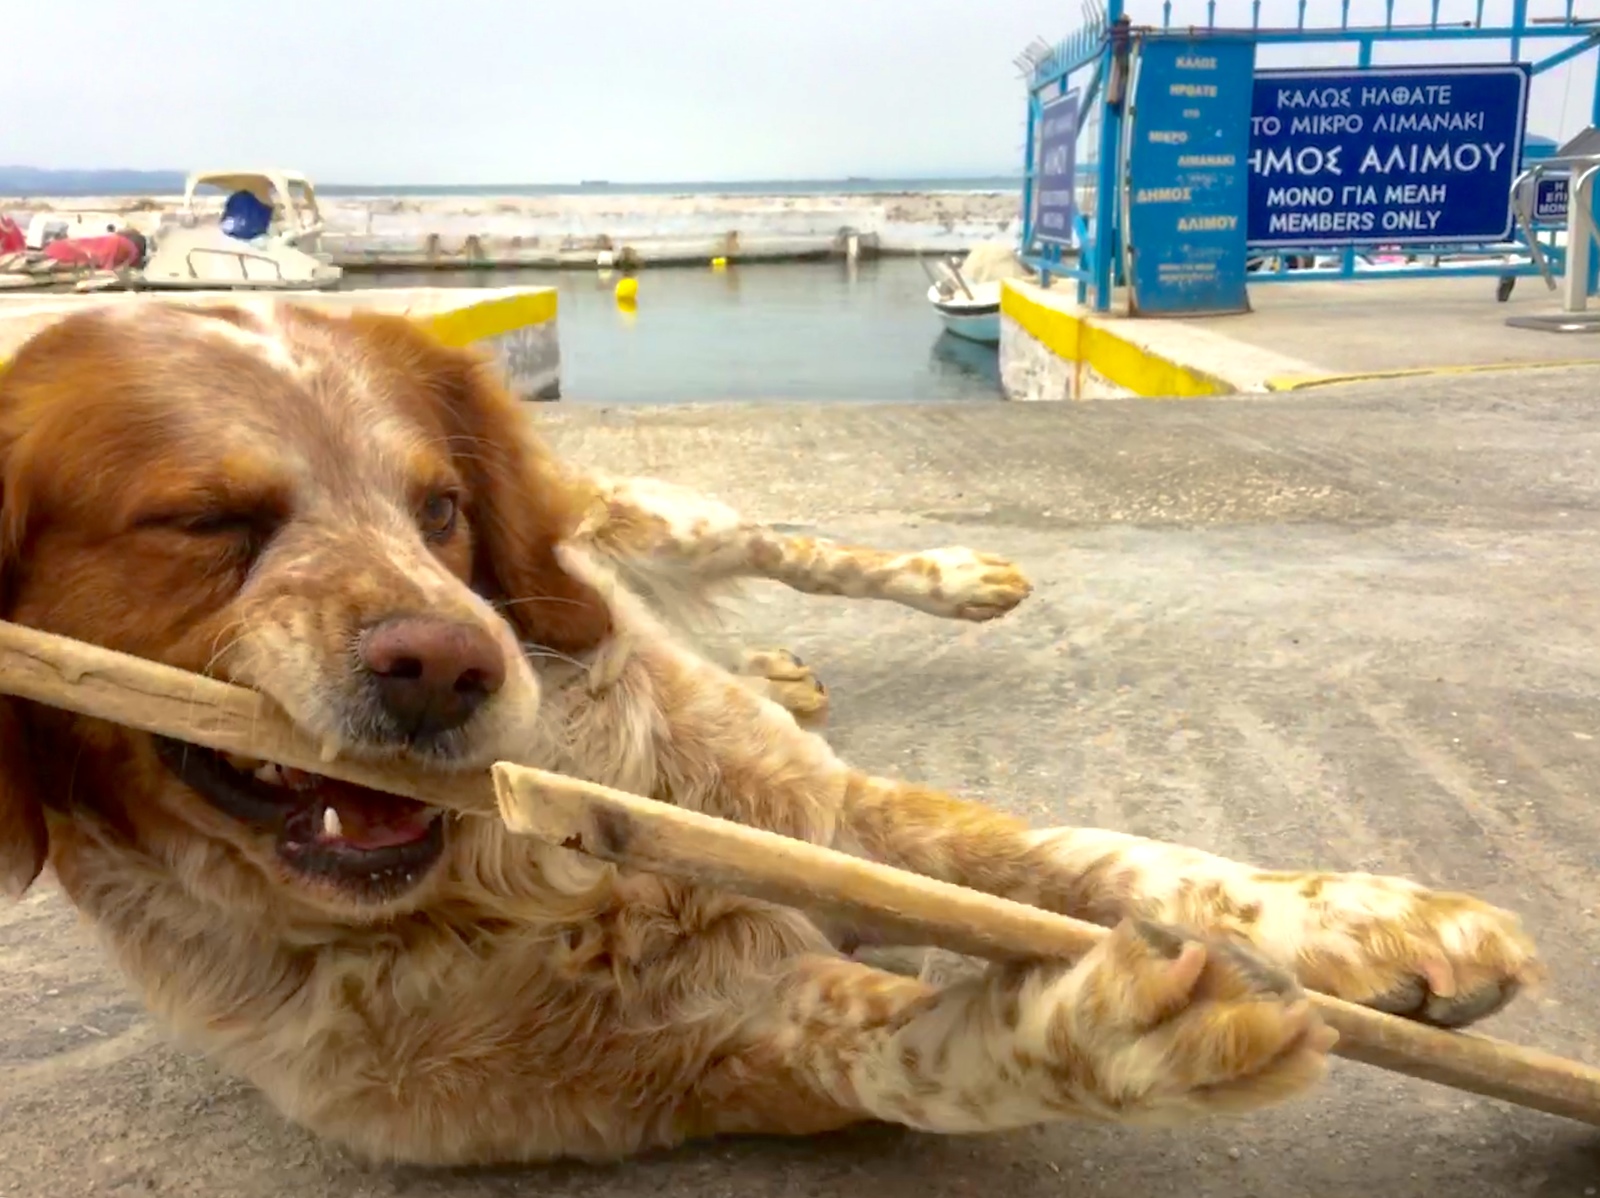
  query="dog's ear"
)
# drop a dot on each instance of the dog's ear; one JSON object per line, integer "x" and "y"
{"x": 24, "y": 842}
{"x": 521, "y": 503}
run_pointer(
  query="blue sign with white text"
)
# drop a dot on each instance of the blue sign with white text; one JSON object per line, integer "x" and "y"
{"x": 1188, "y": 177}
{"x": 1054, "y": 202}
{"x": 1387, "y": 156}
{"x": 1550, "y": 200}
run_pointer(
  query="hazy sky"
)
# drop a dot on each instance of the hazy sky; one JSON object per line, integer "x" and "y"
{"x": 474, "y": 91}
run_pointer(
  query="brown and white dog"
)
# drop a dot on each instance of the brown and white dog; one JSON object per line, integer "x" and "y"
{"x": 359, "y": 523}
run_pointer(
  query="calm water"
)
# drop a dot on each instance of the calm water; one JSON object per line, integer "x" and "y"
{"x": 822, "y": 330}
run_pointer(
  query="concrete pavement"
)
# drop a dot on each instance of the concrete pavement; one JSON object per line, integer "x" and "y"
{"x": 1354, "y": 627}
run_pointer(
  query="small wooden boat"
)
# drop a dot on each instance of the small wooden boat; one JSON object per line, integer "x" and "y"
{"x": 973, "y": 314}
{"x": 966, "y": 309}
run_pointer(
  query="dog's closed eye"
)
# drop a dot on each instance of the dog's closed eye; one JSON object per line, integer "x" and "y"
{"x": 243, "y": 530}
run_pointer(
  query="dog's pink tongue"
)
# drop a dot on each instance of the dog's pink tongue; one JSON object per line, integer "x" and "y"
{"x": 371, "y": 820}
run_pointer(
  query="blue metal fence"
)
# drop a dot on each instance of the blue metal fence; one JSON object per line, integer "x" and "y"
{"x": 1097, "y": 60}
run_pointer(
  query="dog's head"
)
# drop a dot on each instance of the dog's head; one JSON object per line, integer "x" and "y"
{"x": 338, "y": 512}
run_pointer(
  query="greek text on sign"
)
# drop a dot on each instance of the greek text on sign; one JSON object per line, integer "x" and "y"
{"x": 1187, "y": 175}
{"x": 1550, "y": 200}
{"x": 1403, "y": 155}
{"x": 1055, "y": 198}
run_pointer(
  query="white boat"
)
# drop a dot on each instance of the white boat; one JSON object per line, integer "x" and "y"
{"x": 265, "y": 236}
{"x": 967, "y": 297}
{"x": 973, "y": 314}
{"x": 282, "y": 250}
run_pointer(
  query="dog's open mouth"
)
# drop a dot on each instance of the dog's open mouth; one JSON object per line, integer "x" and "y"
{"x": 372, "y": 844}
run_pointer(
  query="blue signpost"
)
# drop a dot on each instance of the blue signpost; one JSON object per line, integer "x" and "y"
{"x": 1413, "y": 150}
{"x": 1187, "y": 175}
{"x": 1054, "y": 202}
{"x": 1389, "y": 156}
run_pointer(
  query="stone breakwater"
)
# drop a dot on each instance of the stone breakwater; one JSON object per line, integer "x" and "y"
{"x": 453, "y": 232}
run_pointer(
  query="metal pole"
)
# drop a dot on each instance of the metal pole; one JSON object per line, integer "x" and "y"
{"x": 1580, "y": 241}
{"x": 1108, "y": 188}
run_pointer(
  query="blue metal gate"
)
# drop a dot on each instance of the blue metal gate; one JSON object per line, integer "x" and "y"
{"x": 1399, "y": 134}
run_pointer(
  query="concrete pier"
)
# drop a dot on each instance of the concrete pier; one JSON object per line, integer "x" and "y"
{"x": 1299, "y": 335}
{"x": 456, "y": 232}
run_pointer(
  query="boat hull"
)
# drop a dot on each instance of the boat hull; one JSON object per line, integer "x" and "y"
{"x": 974, "y": 326}
{"x": 975, "y": 319}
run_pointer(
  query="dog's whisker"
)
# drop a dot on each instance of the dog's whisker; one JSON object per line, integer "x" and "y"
{"x": 503, "y": 604}
{"x": 532, "y": 649}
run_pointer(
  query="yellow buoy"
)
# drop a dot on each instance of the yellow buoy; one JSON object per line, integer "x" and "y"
{"x": 627, "y": 289}
{"x": 719, "y": 264}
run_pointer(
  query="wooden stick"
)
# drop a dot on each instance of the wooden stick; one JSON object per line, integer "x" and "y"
{"x": 648, "y": 835}
{"x": 155, "y": 698}
{"x": 659, "y": 838}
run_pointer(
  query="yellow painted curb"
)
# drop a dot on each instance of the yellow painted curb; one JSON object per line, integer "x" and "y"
{"x": 481, "y": 320}
{"x": 496, "y": 317}
{"x": 1132, "y": 367}
{"x": 1304, "y": 382}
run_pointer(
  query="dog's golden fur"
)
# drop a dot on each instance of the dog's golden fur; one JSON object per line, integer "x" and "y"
{"x": 244, "y": 495}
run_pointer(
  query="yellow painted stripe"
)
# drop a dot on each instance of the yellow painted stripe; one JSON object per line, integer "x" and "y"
{"x": 1302, "y": 382}
{"x": 1133, "y": 367}
{"x": 483, "y": 319}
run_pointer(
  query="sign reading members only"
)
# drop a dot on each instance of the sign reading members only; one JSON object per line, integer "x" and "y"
{"x": 1394, "y": 156}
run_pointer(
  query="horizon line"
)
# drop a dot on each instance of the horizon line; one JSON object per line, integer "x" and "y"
{"x": 613, "y": 182}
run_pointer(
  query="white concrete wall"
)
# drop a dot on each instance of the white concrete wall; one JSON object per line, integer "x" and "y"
{"x": 1031, "y": 370}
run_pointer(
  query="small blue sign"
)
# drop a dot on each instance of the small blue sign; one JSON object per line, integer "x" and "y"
{"x": 1550, "y": 200}
{"x": 1386, "y": 156}
{"x": 1055, "y": 205}
{"x": 1188, "y": 177}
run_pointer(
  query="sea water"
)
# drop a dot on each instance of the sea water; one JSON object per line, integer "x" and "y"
{"x": 828, "y": 330}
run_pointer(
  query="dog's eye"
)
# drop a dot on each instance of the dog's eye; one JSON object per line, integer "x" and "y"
{"x": 243, "y": 531}
{"x": 220, "y": 524}
{"x": 437, "y": 516}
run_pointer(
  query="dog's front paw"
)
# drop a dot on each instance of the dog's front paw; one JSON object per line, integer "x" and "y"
{"x": 1440, "y": 958}
{"x": 1155, "y": 1024}
{"x": 960, "y": 584}
{"x": 787, "y": 681}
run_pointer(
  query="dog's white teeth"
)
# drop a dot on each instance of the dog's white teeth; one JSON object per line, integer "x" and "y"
{"x": 270, "y": 773}
{"x": 331, "y": 826}
{"x": 329, "y": 749}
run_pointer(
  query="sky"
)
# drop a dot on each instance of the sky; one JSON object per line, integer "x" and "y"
{"x": 535, "y": 91}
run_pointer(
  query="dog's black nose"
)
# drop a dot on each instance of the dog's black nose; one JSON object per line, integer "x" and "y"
{"x": 431, "y": 674}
